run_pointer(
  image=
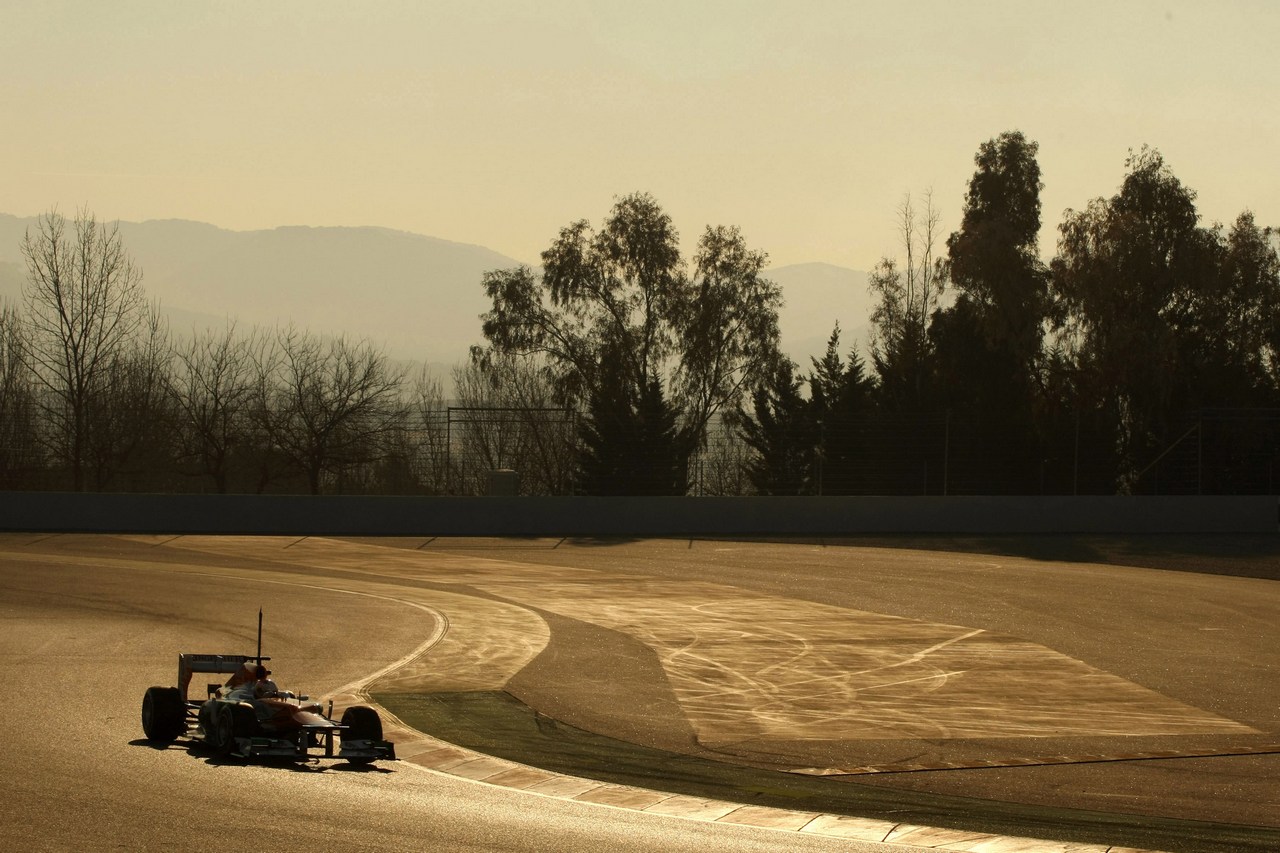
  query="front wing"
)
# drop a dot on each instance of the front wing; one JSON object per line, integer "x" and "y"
{"x": 314, "y": 742}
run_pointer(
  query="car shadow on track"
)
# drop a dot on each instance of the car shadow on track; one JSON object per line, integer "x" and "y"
{"x": 158, "y": 747}
{"x": 211, "y": 757}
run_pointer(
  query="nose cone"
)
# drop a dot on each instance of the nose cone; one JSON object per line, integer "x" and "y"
{"x": 311, "y": 718}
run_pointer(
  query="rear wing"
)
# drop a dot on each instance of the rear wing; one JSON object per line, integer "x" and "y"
{"x": 188, "y": 664}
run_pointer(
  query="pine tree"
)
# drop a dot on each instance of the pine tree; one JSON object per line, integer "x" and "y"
{"x": 781, "y": 433}
{"x": 631, "y": 442}
{"x": 840, "y": 397}
{"x": 663, "y": 453}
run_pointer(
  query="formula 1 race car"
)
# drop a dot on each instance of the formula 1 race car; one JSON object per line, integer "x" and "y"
{"x": 250, "y": 717}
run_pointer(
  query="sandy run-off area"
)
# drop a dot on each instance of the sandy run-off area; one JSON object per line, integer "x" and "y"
{"x": 712, "y": 669}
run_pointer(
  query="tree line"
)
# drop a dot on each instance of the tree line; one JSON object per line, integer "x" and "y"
{"x": 1145, "y": 326}
{"x": 990, "y": 369}
{"x": 623, "y": 367}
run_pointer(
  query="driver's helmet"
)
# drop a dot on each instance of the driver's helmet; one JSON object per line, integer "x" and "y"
{"x": 264, "y": 686}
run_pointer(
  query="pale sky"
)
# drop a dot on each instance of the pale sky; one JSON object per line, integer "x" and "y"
{"x": 497, "y": 123}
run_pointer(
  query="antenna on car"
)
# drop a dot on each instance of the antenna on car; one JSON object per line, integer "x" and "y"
{"x": 259, "y": 635}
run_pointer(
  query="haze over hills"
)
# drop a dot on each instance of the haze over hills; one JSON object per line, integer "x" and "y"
{"x": 418, "y": 296}
{"x": 818, "y": 296}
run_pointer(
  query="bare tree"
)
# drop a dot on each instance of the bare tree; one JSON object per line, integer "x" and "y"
{"x": 129, "y": 442}
{"x": 908, "y": 295}
{"x": 428, "y": 446}
{"x": 508, "y": 417}
{"x": 84, "y": 304}
{"x": 329, "y": 403}
{"x": 720, "y": 468}
{"x": 18, "y": 449}
{"x": 214, "y": 391}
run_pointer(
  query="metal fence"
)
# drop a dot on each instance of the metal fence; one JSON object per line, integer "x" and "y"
{"x": 1205, "y": 452}
{"x": 452, "y": 450}
{"x": 538, "y": 444}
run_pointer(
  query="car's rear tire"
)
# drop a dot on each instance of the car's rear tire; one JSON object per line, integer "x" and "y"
{"x": 164, "y": 714}
{"x": 363, "y": 723}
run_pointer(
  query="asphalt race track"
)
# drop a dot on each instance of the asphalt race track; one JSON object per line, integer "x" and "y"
{"x": 1145, "y": 692}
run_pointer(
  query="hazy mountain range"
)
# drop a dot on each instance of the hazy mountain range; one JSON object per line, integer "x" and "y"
{"x": 418, "y": 296}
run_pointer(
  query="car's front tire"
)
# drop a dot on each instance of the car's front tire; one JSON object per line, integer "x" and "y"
{"x": 363, "y": 723}
{"x": 223, "y": 735}
{"x": 164, "y": 714}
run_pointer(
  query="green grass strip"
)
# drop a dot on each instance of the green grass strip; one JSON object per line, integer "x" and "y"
{"x": 496, "y": 723}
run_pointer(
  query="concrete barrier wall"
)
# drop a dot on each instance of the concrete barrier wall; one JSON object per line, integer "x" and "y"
{"x": 612, "y": 517}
